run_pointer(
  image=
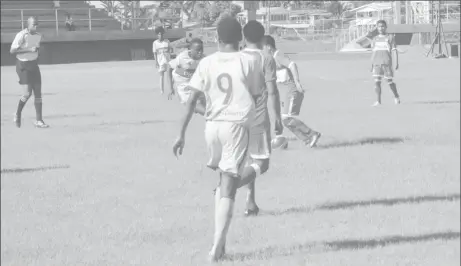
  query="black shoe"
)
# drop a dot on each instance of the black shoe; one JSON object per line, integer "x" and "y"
{"x": 251, "y": 212}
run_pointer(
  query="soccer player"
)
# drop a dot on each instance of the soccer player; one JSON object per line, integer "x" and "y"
{"x": 225, "y": 78}
{"x": 162, "y": 50}
{"x": 292, "y": 94}
{"x": 25, "y": 46}
{"x": 182, "y": 68}
{"x": 383, "y": 45}
{"x": 260, "y": 133}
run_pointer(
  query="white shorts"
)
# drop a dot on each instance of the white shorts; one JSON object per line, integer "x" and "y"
{"x": 183, "y": 94}
{"x": 227, "y": 145}
{"x": 260, "y": 144}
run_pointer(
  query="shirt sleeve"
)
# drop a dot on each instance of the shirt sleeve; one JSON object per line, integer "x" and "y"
{"x": 18, "y": 40}
{"x": 270, "y": 69}
{"x": 197, "y": 81}
{"x": 283, "y": 59}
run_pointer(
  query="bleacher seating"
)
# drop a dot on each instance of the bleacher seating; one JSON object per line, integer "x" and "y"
{"x": 45, "y": 11}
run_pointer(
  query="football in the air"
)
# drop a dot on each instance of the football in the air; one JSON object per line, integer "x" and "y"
{"x": 279, "y": 142}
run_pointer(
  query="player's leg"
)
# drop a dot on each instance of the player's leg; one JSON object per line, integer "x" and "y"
{"x": 291, "y": 121}
{"x": 259, "y": 149}
{"x": 234, "y": 140}
{"x": 389, "y": 76}
{"x": 37, "y": 89}
{"x": 377, "y": 75}
{"x": 26, "y": 90}
{"x": 162, "y": 69}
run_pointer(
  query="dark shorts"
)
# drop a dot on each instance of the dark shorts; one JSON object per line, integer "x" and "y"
{"x": 291, "y": 99}
{"x": 383, "y": 71}
{"x": 28, "y": 72}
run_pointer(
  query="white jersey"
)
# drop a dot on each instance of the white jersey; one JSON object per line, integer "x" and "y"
{"x": 162, "y": 50}
{"x": 225, "y": 79}
{"x": 267, "y": 74}
{"x": 26, "y": 40}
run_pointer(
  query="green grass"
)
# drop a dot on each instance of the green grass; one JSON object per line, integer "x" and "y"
{"x": 102, "y": 187}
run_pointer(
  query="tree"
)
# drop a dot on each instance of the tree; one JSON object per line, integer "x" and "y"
{"x": 338, "y": 8}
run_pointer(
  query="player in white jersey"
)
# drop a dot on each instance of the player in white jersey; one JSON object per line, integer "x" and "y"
{"x": 162, "y": 52}
{"x": 260, "y": 133}
{"x": 225, "y": 78}
{"x": 292, "y": 94}
{"x": 182, "y": 68}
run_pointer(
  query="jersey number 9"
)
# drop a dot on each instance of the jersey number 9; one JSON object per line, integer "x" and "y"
{"x": 225, "y": 86}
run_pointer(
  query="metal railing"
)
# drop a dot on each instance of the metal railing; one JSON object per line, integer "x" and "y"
{"x": 126, "y": 23}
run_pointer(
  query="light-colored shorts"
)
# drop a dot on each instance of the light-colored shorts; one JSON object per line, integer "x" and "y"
{"x": 183, "y": 93}
{"x": 227, "y": 146}
{"x": 259, "y": 147}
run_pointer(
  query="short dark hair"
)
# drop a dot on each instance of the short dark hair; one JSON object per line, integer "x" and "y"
{"x": 381, "y": 21}
{"x": 268, "y": 40}
{"x": 253, "y": 31}
{"x": 229, "y": 30}
{"x": 195, "y": 40}
{"x": 159, "y": 29}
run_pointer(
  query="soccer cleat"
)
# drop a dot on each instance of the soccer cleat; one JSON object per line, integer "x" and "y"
{"x": 17, "y": 120}
{"x": 397, "y": 100}
{"x": 251, "y": 212}
{"x": 315, "y": 138}
{"x": 41, "y": 124}
{"x": 376, "y": 104}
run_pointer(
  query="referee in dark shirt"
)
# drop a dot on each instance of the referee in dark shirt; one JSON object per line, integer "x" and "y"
{"x": 25, "y": 46}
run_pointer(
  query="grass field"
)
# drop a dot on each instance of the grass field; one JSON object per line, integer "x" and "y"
{"x": 102, "y": 187}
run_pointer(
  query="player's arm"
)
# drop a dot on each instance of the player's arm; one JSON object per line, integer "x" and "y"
{"x": 271, "y": 84}
{"x": 17, "y": 43}
{"x": 197, "y": 85}
{"x": 395, "y": 51}
{"x": 173, "y": 64}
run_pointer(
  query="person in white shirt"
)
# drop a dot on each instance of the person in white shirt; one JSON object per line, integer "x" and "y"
{"x": 162, "y": 52}
{"x": 25, "y": 47}
{"x": 226, "y": 78}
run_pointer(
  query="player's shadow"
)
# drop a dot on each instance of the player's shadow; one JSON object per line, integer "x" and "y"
{"x": 341, "y": 205}
{"x": 36, "y": 169}
{"x": 437, "y": 102}
{"x": 57, "y": 116}
{"x": 339, "y": 245}
{"x": 360, "y": 142}
{"x": 134, "y": 123}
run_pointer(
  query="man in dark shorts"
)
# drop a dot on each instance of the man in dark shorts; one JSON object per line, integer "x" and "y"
{"x": 383, "y": 45}
{"x": 25, "y": 46}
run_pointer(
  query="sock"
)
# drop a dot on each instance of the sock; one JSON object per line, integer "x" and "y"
{"x": 393, "y": 87}
{"x": 378, "y": 91}
{"x": 251, "y": 195}
{"x": 249, "y": 174}
{"x": 38, "y": 108}
{"x": 21, "y": 104}
{"x": 223, "y": 219}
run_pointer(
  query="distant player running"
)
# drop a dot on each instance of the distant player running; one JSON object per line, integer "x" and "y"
{"x": 260, "y": 132}
{"x": 383, "y": 45}
{"x": 292, "y": 94}
{"x": 225, "y": 78}
{"x": 182, "y": 69}
{"x": 25, "y": 46}
{"x": 162, "y": 51}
